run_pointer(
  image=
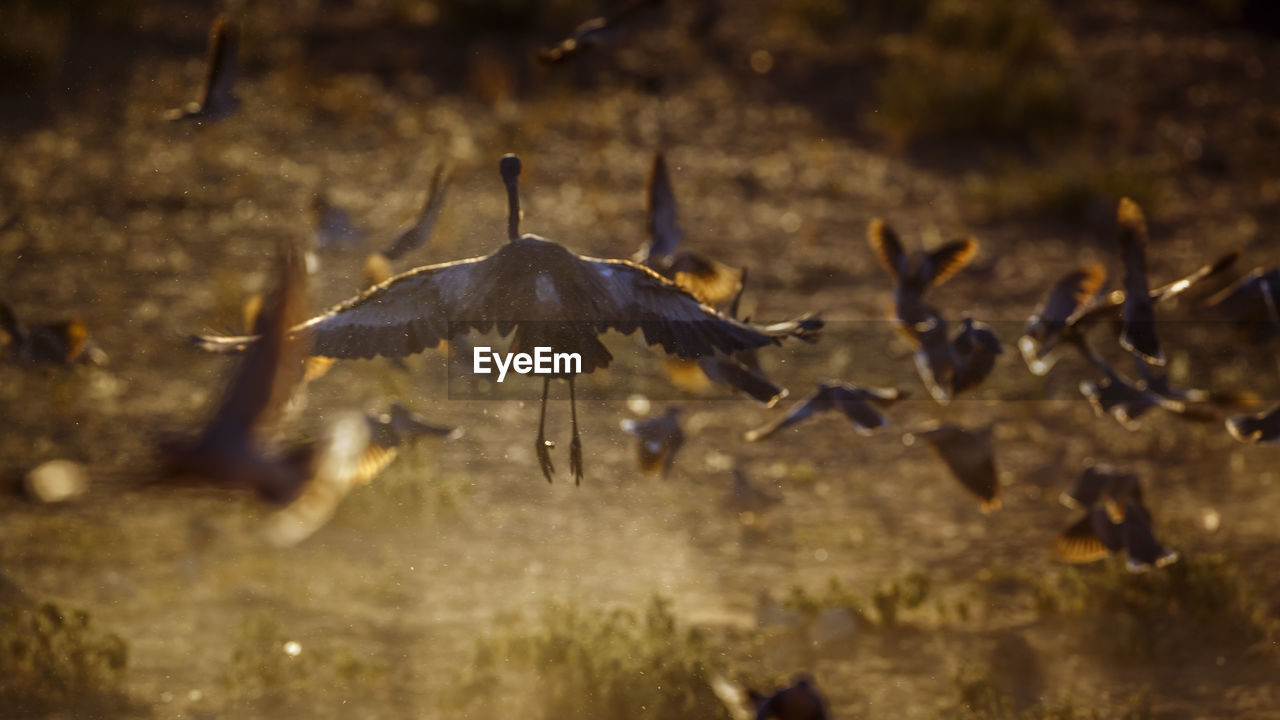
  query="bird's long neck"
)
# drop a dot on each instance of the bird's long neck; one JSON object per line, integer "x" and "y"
{"x": 513, "y": 212}
{"x": 509, "y": 167}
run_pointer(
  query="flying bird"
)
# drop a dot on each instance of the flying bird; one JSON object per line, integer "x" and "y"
{"x": 355, "y": 450}
{"x": 914, "y": 275}
{"x": 976, "y": 347}
{"x": 1078, "y": 301}
{"x": 1252, "y": 304}
{"x": 333, "y": 227}
{"x": 539, "y": 292}
{"x": 658, "y": 440}
{"x": 970, "y": 457}
{"x": 595, "y": 33}
{"x": 949, "y": 367}
{"x": 1056, "y": 320}
{"x": 858, "y": 404}
{"x": 58, "y": 343}
{"x": 1137, "y": 312}
{"x": 1261, "y": 428}
{"x": 1115, "y": 520}
{"x": 708, "y": 280}
{"x": 218, "y": 99}
{"x": 740, "y": 371}
{"x": 231, "y": 450}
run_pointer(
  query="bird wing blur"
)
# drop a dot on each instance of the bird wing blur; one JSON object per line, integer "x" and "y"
{"x": 228, "y": 452}
{"x": 970, "y": 457}
{"x": 948, "y": 260}
{"x": 664, "y": 231}
{"x": 1261, "y": 428}
{"x": 1138, "y": 333}
{"x": 419, "y": 232}
{"x": 819, "y": 402}
{"x": 217, "y": 96}
{"x": 888, "y": 248}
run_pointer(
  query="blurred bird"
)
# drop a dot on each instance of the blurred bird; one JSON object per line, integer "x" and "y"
{"x": 1251, "y": 303}
{"x": 741, "y": 370}
{"x": 1102, "y": 484}
{"x": 950, "y": 367}
{"x": 230, "y": 451}
{"x": 333, "y": 227}
{"x": 857, "y": 404}
{"x": 417, "y": 234}
{"x": 595, "y": 33}
{"x": 1126, "y": 401}
{"x": 58, "y": 343}
{"x": 658, "y": 440}
{"x": 541, "y": 292}
{"x": 1261, "y": 428}
{"x": 1137, "y": 313}
{"x": 1056, "y": 320}
{"x": 914, "y": 275}
{"x": 976, "y": 347}
{"x": 1077, "y": 302}
{"x": 970, "y": 457}
{"x": 710, "y": 281}
{"x": 218, "y": 100}
{"x": 1115, "y": 520}
{"x": 801, "y": 701}
{"x": 355, "y": 451}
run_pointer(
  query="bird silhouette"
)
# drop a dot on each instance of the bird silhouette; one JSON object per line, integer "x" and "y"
{"x": 595, "y": 33}
{"x": 1252, "y": 303}
{"x": 970, "y": 456}
{"x": 1137, "y": 312}
{"x": 416, "y": 234}
{"x": 539, "y": 293}
{"x": 57, "y": 343}
{"x": 218, "y": 100}
{"x": 658, "y": 440}
{"x": 914, "y": 275}
{"x": 1261, "y": 428}
{"x": 857, "y": 403}
{"x": 741, "y": 370}
{"x": 355, "y": 450}
{"x": 231, "y": 451}
{"x": 708, "y": 280}
{"x": 1115, "y": 520}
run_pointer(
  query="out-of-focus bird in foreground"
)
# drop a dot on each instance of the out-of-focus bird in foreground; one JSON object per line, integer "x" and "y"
{"x": 658, "y": 440}
{"x": 218, "y": 99}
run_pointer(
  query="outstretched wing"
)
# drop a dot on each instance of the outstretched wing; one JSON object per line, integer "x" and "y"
{"x": 664, "y": 231}
{"x": 854, "y": 403}
{"x": 670, "y": 316}
{"x": 1138, "y": 334}
{"x": 220, "y": 69}
{"x": 888, "y": 248}
{"x": 971, "y": 458}
{"x": 402, "y": 316}
{"x": 819, "y": 402}
{"x": 266, "y": 376}
{"x": 417, "y": 234}
{"x": 950, "y": 259}
{"x": 1070, "y": 294}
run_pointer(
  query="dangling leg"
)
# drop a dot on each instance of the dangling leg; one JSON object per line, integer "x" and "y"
{"x": 575, "y": 447}
{"x": 545, "y": 445}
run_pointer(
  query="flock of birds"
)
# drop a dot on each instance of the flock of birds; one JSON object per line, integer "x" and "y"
{"x": 684, "y": 303}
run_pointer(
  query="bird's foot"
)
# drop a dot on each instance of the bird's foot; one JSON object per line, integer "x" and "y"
{"x": 544, "y": 457}
{"x": 575, "y": 459}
